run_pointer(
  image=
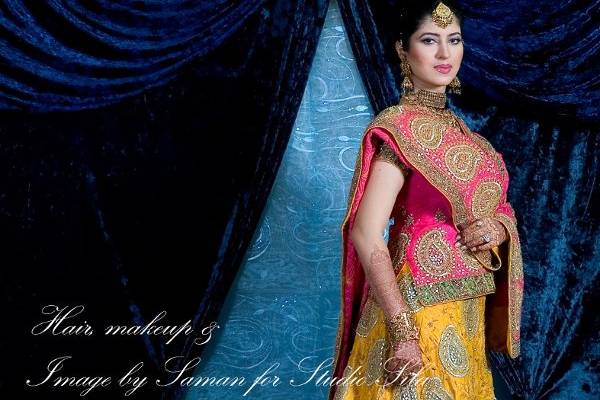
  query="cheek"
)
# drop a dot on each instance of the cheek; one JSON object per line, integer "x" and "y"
{"x": 458, "y": 54}
{"x": 424, "y": 58}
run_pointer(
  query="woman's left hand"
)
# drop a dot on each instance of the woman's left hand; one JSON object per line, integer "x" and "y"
{"x": 481, "y": 234}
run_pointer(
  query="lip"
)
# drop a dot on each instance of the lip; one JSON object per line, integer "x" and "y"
{"x": 443, "y": 68}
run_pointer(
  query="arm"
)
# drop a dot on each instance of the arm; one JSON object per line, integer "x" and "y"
{"x": 384, "y": 184}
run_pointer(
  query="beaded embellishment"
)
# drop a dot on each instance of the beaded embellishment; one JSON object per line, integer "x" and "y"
{"x": 385, "y": 153}
{"x": 453, "y": 353}
{"x": 434, "y": 390}
{"x": 461, "y": 160}
{"x": 433, "y": 253}
{"x": 471, "y": 316}
{"x": 375, "y": 361}
{"x": 368, "y": 318}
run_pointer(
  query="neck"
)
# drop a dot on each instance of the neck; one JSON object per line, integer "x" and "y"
{"x": 426, "y": 98}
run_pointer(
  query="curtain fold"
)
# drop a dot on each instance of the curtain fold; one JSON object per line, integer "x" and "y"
{"x": 70, "y": 55}
{"x": 139, "y": 142}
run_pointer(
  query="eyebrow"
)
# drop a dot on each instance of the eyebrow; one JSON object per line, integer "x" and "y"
{"x": 437, "y": 34}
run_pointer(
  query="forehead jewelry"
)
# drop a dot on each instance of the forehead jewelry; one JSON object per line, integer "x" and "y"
{"x": 442, "y": 16}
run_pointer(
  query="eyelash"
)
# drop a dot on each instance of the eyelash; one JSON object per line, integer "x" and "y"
{"x": 454, "y": 39}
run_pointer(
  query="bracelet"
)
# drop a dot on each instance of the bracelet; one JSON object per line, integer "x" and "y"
{"x": 401, "y": 327}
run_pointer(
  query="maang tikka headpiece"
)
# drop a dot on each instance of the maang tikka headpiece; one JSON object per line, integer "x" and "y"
{"x": 442, "y": 16}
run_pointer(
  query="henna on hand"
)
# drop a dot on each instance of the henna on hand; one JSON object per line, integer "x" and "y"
{"x": 473, "y": 235}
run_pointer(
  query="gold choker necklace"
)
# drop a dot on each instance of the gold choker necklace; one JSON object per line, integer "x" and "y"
{"x": 431, "y": 103}
{"x": 426, "y": 98}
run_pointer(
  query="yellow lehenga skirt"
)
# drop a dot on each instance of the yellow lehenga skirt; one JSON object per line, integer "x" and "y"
{"x": 452, "y": 343}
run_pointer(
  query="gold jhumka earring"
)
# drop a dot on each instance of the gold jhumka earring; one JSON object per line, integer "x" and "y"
{"x": 407, "y": 84}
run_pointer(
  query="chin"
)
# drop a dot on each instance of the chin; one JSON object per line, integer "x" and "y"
{"x": 442, "y": 82}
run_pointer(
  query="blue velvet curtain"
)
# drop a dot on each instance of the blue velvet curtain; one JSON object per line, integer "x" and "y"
{"x": 530, "y": 74}
{"x": 139, "y": 141}
{"x": 138, "y": 144}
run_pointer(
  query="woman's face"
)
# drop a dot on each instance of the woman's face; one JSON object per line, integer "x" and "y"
{"x": 434, "y": 55}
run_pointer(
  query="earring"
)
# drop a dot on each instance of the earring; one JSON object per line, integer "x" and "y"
{"x": 407, "y": 84}
{"x": 454, "y": 86}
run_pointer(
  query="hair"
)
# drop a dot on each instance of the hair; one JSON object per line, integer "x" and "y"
{"x": 412, "y": 13}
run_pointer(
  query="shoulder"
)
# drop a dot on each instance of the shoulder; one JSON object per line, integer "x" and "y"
{"x": 485, "y": 143}
{"x": 393, "y": 118}
{"x": 388, "y": 113}
{"x": 477, "y": 137}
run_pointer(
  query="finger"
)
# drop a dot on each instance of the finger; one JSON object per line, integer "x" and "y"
{"x": 467, "y": 233}
{"x": 461, "y": 225}
{"x": 486, "y": 246}
{"x": 475, "y": 239}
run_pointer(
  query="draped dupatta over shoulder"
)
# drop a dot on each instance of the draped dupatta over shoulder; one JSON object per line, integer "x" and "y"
{"x": 460, "y": 170}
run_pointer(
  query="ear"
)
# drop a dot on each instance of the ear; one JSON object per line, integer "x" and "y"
{"x": 399, "y": 49}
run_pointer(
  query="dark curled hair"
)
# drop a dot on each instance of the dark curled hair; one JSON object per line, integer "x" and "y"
{"x": 412, "y": 13}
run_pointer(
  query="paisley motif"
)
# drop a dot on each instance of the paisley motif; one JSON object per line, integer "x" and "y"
{"x": 470, "y": 316}
{"x": 434, "y": 390}
{"x": 461, "y": 160}
{"x": 428, "y": 131}
{"x": 405, "y": 392}
{"x": 469, "y": 259}
{"x": 486, "y": 198}
{"x": 375, "y": 361}
{"x": 399, "y": 250}
{"x": 408, "y": 292}
{"x": 452, "y": 352}
{"x": 433, "y": 253}
{"x": 368, "y": 319}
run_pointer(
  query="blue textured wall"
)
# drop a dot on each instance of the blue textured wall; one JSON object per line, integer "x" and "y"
{"x": 284, "y": 303}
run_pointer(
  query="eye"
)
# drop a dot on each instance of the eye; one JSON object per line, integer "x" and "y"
{"x": 456, "y": 40}
{"x": 428, "y": 41}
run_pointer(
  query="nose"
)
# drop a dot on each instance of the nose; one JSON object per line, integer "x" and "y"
{"x": 443, "y": 51}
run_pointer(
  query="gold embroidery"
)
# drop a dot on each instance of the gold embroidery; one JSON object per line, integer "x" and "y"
{"x": 407, "y": 391}
{"x": 434, "y": 390}
{"x": 428, "y": 131}
{"x": 452, "y": 352}
{"x": 470, "y": 313}
{"x": 386, "y": 153}
{"x": 435, "y": 108}
{"x": 408, "y": 292}
{"x": 456, "y": 289}
{"x": 469, "y": 259}
{"x": 433, "y": 253}
{"x": 400, "y": 244}
{"x": 461, "y": 160}
{"x": 368, "y": 319}
{"x": 484, "y": 143}
{"x": 342, "y": 388}
{"x": 376, "y": 359}
{"x": 486, "y": 198}
{"x": 439, "y": 215}
{"x": 415, "y": 156}
{"x": 515, "y": 292}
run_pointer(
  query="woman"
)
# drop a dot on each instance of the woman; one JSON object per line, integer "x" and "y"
{"x": 415, "y": 322}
